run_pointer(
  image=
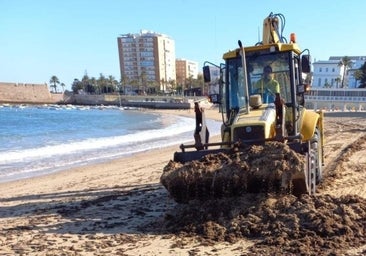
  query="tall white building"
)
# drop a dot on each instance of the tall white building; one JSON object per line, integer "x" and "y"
{"x": 329, "y": 74}
{"x": 147, "y": 59}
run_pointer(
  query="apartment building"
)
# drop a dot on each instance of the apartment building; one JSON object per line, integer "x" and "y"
{"x": 147, "y": 61}
{"x": 329, "y": 74}
{"x": 185, "y": 70}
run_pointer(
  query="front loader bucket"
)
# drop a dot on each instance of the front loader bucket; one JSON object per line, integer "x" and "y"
{"x": 304, "y": 182}
{"x": 187, "y": 156}
{"x": 272, "y": 167}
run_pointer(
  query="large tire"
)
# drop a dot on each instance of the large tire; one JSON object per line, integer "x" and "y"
{"x": 316, "y": 147}
{"x": 314, "y": 162}
{"x": 311, "y": 169}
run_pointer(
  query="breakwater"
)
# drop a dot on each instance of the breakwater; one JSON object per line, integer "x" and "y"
{"x": 25, "y": 93}
{"x": 22, "y": 93}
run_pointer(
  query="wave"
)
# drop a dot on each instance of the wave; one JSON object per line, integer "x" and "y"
{"x": 23, "y": 163}
{"x": 123, "y": 141}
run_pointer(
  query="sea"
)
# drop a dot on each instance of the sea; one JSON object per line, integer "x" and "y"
{"x": 39, "y": 140}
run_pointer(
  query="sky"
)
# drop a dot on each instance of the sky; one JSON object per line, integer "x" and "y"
{"x": 70, "y": 38}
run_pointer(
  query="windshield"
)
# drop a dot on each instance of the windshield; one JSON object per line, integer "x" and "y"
{"x": 268, "y": 74}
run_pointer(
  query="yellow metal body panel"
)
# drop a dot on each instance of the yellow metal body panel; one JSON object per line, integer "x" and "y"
{"x": 265, "y": 117}
{"x": 308, "y": 124}
{"x": 279, "y": 46}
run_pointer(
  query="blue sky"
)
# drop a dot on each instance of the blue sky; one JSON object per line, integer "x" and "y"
{"x": 42, "y": 38}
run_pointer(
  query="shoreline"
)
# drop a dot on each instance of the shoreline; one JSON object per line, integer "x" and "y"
{"x": 66, "y": 163}
{"x": 70, "y": 174}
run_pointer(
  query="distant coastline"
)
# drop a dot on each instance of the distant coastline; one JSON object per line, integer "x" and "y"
{"x": 22, "y": 93}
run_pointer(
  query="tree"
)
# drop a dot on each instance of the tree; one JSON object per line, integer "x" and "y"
{"x": 123, "y": 83}
{"x": 153, "y": 87}
{"x": 143, "y": 81}
{"x": 327, "y": 85}
{"x": 189, "y": 82}
{"x": 93, "y": 83}
{"x": 76, "y": 86}
{"x": 102, "y": 83}
{"x": 199, "y": 81}
{"x": 112, "y": 83}
{"x": 337, "y": 80}
{"x": 172, "y": 85}
{"x": 86, "y": 82}
{"x": 63, "y": 87}
{"x": 346, "y": 63}
{"x": 54, "y": 81}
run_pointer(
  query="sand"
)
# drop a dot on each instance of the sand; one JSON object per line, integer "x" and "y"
{"x": 119, "y": 207}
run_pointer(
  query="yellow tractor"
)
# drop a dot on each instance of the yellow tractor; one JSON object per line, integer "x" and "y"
{"x": 260, "y": 92}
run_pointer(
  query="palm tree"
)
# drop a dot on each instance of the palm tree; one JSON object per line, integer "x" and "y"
{"x": 123, "y": 83}
{"x": 112, "y": 82}
{"x": 337, "y": 80}
{"x": 86, "y": 82}
{"x": 54, "y": 81}
{"x": 346, "y": 63}
{"x": 134, "y": 83}
{"x": 163, "y": 85}
{"x": 327, "y": 85}
{"x": 102, "y": 84}
{"x": 143, "y": 80}
{"x": 93, "y": 83}
{"x": 63, "y": 87}
{"x": 172, "y": 85}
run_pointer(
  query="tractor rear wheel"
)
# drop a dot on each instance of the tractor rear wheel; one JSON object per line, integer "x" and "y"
{"x": 314, "y": 162}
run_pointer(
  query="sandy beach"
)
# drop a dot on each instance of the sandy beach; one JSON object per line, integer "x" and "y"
{"x": 35, "y": 213}
{"x": 112, "y": 208}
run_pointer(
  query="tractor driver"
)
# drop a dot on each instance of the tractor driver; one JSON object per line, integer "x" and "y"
{"x": 267, "y": 86}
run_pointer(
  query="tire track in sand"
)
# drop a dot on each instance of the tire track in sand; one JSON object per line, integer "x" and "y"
{"x": 345, "y": 171}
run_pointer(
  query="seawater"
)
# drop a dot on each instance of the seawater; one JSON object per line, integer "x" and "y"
{"x": 37, "y": 140}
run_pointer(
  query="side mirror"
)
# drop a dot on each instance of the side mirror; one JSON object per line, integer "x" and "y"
{"x": 212, "y": 76}
{"x": 305, "y": 63}
{"x": 206, "y": 74}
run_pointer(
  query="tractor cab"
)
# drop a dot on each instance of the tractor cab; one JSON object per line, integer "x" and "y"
{"x": 274, "y": 73}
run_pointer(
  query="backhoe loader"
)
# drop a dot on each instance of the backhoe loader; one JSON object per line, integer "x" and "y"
{"x": 256, "y": 117}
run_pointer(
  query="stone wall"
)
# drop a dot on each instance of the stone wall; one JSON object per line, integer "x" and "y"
{"x": 155, "y": 102}
{"x": 27, "y": 93}
{"x": 18, "y": 93}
